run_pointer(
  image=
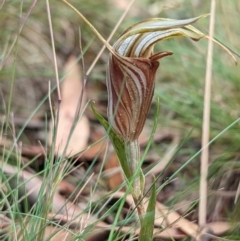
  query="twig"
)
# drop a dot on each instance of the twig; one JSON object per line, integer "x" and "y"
{"x": 50, "y": 101}
{"x": 56, "y": 119}
{"x": 110, "y": 36}
{"x": 90, "y": 26}
{"x": 54, "y": 53}
{"x": 206, "y": 124}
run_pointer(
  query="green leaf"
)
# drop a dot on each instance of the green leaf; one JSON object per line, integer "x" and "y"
{"x": 146, "y": 233}
{"x": 117, "y": 141}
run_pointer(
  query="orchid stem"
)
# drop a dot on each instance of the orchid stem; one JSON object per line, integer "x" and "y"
{"x": 133, "y": 158}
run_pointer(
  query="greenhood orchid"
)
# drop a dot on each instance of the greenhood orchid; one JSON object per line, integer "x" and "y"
{"x": 132, "y": 68}
{"x": 131, "y": 71}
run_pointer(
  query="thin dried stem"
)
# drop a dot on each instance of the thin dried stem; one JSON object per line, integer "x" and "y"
{"x": 222, "y": 46}
{"x": 50, "y": 101}
{"x": 237, "y": 194}
{"x": 110, "y": 36}
{"x": 206, "y": 123}
{"x": 92, "y": 27}
{"x": 54, "y": 53}
{"x": 82, "y": 188}
{"x": 14, "y": 134}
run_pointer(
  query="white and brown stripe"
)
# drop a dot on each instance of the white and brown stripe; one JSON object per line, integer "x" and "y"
{"x": 131, "y": 71}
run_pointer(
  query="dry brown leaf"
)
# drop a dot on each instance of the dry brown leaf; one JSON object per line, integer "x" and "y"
{"x": 112, "y": 168}
{"x": 174, "y": 219}
{"x": 168, "y": 233}
{"x": 219, "y": 228}
{"x": 115, "y": 176}
{"x": 33, "y": 185}
{"x": 99, "y": 147}
{"x": 167, "y": 157}
{"x": 58, "y": 234}
{"x": 160, "y": 135}
{"x": 165, "y": 217}
{"x": 55, "y": 234}
{"x": 71, "y": 90}
{"x": 160, "y": 220}
{"x": 102, "y": 233}
{"x": 4, "y": 221}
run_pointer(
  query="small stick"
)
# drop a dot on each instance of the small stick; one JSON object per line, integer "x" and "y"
{"x": 54, "y": 53}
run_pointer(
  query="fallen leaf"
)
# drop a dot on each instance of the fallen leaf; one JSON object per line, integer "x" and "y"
{"x": 55, "y": 234}
{"x": 174, "y": 219}
{"x": 115, "y": 176}
{"x": 98, "y": 148}
{"x": 71, "y": 90}
{"x": 163, "y": 232}
{"x": 219, "y": 228}
{"x": 165, "y": 217}
{"x": 33, "y": 184}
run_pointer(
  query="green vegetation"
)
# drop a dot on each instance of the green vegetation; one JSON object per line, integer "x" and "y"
{"x": 35, "y": 201}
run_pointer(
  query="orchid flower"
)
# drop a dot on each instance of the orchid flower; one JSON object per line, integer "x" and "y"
{"x": 132, "y": 68}
{"x": 131, "y": 72}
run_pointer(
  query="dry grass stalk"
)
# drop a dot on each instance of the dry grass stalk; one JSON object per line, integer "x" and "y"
{"x": 54, "y": 52}
{"x": 110, "y": 36}
{"x": 206, "y": 124}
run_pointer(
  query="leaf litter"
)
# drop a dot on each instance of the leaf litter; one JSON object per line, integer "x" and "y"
{"x": 72, "y": 102}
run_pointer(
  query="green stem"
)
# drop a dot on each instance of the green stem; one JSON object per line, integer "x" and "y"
{"x": 132, "y": 152}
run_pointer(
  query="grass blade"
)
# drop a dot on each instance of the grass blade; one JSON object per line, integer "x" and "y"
{"x": 146, "y": 233}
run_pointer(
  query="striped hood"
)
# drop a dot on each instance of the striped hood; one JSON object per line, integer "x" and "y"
{"x": 132, "y": 68}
